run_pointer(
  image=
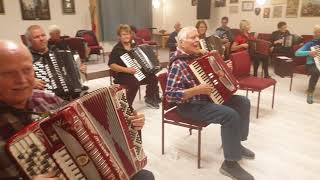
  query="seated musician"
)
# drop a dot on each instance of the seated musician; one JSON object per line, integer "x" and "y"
{"x": 56, "y": 40}
{"x": 172, "y": 42}
{"x": 241, "y": 43}
{"x": 125, "y": 75}
{"x": 277, "y": 38}
{"x": 18, "y": 98}
{"x": 225, "y": 34}
{"x": 39, "y": 49}
{"x": 202, "y": 28}
{"x": 193, "y": 103}
{"x": 305, "y": 50}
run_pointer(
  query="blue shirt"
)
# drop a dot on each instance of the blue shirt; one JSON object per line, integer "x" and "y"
{"x": 306, "y": 48}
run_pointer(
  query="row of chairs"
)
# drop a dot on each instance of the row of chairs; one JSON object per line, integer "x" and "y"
{"x": 241, "y": 69}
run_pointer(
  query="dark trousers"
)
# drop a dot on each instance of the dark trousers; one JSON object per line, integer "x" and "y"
{"x": 233, "y": 116}
{"x": 132, "y": 86}
{"x": 143, "y": 175}
{"x": 314, "y": 76}
{"x": 257, "y": 58}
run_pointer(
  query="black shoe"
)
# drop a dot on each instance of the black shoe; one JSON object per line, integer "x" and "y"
{"x": 152, "y": 104}
{"x": 247, "y": 153}
{"x": 84, "y": 88}
{"x": 233, "y": 170}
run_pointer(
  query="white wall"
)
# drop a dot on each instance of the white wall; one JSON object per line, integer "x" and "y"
{"x": 12, "y": 25}
{"x": 171, "y": 11}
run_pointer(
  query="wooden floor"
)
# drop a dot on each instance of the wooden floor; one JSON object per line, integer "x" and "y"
{"x": 286, "y": 140}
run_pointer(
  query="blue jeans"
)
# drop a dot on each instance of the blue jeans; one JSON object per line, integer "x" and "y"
{"x": 233, "y": 116}
{"x": 143, "y": 175}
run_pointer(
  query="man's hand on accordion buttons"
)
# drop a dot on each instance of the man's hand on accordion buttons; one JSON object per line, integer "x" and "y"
{"x": 48, "y": 176}
{"x": 245, "y": 45}
{"x": 204, "y": 89}
{"x": 39, "y": 84}
{"x": 137, "y": 120}
{"x": 131, "y": 70}
{"x": 313, "y": 53}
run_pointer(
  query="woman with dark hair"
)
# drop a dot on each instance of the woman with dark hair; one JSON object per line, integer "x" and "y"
{"x": 202, "y": 28}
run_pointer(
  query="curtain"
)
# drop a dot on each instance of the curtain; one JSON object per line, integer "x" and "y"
{"x": 115, "y": 12}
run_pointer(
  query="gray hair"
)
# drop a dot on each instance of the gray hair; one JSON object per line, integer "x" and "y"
{"x": 28, "y": 33}
{"x": 183, "y": 33}
{"x": 54, "y": 28}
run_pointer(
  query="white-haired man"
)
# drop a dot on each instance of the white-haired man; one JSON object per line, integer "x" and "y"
{"x": 193, "y": 102}
{"x": 172, "y": 42}
{"x": 305, "y": 50}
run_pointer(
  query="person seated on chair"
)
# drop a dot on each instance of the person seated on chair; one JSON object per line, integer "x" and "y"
{"x": 312, "y": 69}
{"x": 241, "y": 43}
{"x": 172, "y": 42}
{"x": 202, "y": 28}
{"x": 193, "y": 103}
{"x": 18, "y": 99}
{"x": 277, "y": 38}
{"x": 39, "y": 49}
{"x": 224, "y": 32}
{"x": 125, "y": 75}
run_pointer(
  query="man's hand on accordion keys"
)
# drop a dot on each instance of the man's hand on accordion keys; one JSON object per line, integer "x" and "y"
{"x": 204, "y": 89}
{"x": 131, "y": 70}
{"x": 137, "y": 120}
{"x": 313, "y": 53}
{"x": 39, "y": 84}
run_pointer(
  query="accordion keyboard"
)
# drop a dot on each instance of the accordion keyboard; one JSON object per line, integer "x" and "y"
{"x": 43, "y": 72}
{"x": 59, "y": 73}
{"x": 203, "y": 78}
{"x": 129, "y": 62}
{"x": 317, "y": 58}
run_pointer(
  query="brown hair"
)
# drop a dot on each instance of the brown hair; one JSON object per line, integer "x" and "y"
{"x": 123, "y": 28}
{"x": 201, "y": 22}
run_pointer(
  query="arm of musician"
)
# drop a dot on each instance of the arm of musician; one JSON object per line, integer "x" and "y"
{"x": 83, "y": 68}
{"x": 117, "y": 68}
{"x": 305, "y": 50}
{"x": 235, "y": 46}
{"x": 197, "y": 90}
{"x": 39, "y": 84}
{"x": 48, "y": 176}
{"x": 279, "y": 41}
{"x": 137, "y": 120}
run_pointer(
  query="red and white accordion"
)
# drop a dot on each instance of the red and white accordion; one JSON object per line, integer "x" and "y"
{"x": 207, "y": 70}
{"x": 90, "y": 138}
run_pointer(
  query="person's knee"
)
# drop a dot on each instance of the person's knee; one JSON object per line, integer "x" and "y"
{"x": 143, "y": 175}
{"x": 231, "y": 118}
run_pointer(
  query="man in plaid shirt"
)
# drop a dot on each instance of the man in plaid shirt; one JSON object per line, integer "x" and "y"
{"x": 193, "y": 102}
{"x": 18, "y": 99}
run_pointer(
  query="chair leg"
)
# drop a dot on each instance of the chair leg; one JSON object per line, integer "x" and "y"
{"x": 104, "y": 60}
{"x": 274, "y": 89}
{"x": 199, "y": 148}
{"x": 139, "y": 93}
{"x": 190, "y": 131}
{"x": 162, "y": 136}
{"x": 247, "y": 93}
{"x": 291, "y": 82}
{"x": 257, "y": 116}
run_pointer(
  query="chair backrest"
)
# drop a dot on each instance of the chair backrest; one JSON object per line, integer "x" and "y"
{"x": 264, "y": 36}
{"x": 89, "y": 36}
{"x": 77, "y": 44}
{"x": 241, "y": 64}
{"x": 163, "y": 83}
{"x": 144, "y": 33}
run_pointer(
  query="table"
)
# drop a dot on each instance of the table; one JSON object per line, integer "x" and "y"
{"x": 162, "y": 38}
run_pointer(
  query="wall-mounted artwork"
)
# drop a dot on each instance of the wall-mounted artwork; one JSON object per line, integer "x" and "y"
{"x": 274, "y": 2}
{"x": 1, "y": 7}
{"x": 266, "y": 12}
{"x": 292, "y": 8}
{"x": 234, "y": 1}
{"x": 247, "y": 5}
{"x": 194, "y": 2}
{"x": 35, "y": 9}
{"x": 233, "y": 9}
{"x": 68, "y": 7}
{"x": 220, "y": 3}
{"x": 277, "y": 12}
{"x": 310, "y": 8}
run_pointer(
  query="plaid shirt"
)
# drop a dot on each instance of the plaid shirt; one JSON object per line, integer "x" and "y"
{"x": 181, "y": 78}
{"x": 12, "y": 120}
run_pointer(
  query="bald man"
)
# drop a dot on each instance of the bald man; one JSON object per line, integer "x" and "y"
{"x": 172, "y": 42}
{"x": 18, "y": 98}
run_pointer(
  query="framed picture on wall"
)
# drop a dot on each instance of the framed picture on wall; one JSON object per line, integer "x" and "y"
{"x": 310, "y": 8}
{"x": 292, "y": 8}
{"x": 68, "y": 7}
{"x": 277, "y": 12}
{"x": 35, "y": 9}
{"x": 266, "y": 12}
{"x": 234, "y": 1}
{"x": 220, "y": 3}
{"x": 247, "y": 5}
{"x": 194, "y": 2}
{"x": 1, "y": 7}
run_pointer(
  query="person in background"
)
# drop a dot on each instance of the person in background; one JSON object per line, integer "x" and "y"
{"x": 314, "y": 72}
{"x": 241, "y": 43}
{"x": 202, "y": 28}
{"x": 224, "y": 32}
{"x": 56, "y": 40}
{"x": 277, "y": 38}
{"x": 172, "y": 42}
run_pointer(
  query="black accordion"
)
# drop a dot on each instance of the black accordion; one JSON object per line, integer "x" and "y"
{"x": 144, "y": 59}
{"x": 290, "y": 39}
{"x": 259, "y": 46}
{"x": 212, "y": 43}
{"x": 60, "y": 72}
{"x": 88, "y": 139}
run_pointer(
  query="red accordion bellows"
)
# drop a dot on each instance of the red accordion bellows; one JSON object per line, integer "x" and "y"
{"x": 91, "y": 138}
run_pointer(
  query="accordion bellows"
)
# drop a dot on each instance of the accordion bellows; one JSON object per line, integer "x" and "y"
{"x": 90, "y": 138}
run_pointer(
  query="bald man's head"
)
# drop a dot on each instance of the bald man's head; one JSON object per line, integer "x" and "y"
{"x": 16, "y": 74}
